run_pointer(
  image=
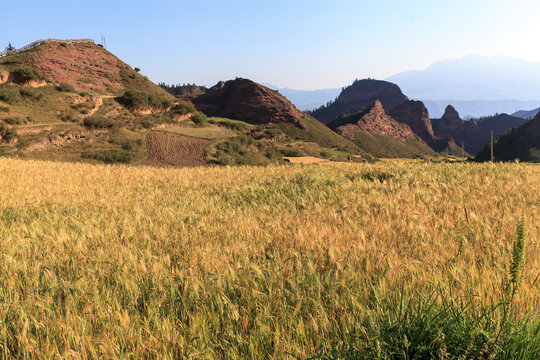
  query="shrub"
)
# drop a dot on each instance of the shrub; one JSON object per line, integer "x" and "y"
{"x": 183, "y": 108}
{"x": 63, "y": 87}
{"x": 86, "y": 80}
{"x": 118, "y": 138}
{"x": 110, "y": 156}
{"x": 27, "y": 74}
{"x": 138, "y": 100}
{"x": 9, "y": 95}
{"x": 6, "y": 134}
{"x": 67, "y": 118}
{"x": 137, "y": 69}
{"x": 4, "y": 109}
{"x": 294, "y": 153}
{"x": 14, "y": 120}
{"x": 99, "y": 122}
{"x": 29, "y": 93}
{"x": 199, "y": 119}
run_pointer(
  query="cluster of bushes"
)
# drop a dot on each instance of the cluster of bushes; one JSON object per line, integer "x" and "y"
{"x": 126, "y": 143}
{"x": 13, "y": 94}
{"x": 27, "y": 74}
{"x": 99, "y": 122}
{"x": 83, "y": 108}
{"x": 68, "y": 118}
{"x": 199, "y": 119}
{"x": 230, "y": 124}
{"x": 63, "y": 87}
{"x": 6, "y": 134}
{"x": 183, "y": 108}
{"x": 110, "y": 156}
{"x": 140, "y": 100}
{"x": 9, "y": 94}
{"x": 244, "y": 150}
{"x": 30, "y": 93}
{"x": 14, "y": 120}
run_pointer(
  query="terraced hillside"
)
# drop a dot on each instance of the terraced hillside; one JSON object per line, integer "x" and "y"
{"x": 76, "y": 101}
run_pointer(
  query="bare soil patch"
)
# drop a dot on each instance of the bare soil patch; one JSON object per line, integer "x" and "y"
{"x": 168, "y": 149}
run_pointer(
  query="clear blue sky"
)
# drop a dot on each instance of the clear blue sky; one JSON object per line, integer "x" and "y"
{"x": 298, "y": 44}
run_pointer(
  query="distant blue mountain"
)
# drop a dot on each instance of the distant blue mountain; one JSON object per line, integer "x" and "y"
{"x": 473, "y": 78}
{"x": 526, "y": 114}
{"x": 475, "y": 85}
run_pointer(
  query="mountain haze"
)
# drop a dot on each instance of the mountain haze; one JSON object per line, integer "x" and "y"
{"x": 473, "y": 78}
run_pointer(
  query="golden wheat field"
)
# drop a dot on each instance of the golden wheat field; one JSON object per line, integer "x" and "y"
{"x": 246, "y": 262}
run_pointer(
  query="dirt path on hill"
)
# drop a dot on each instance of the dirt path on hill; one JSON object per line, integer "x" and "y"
{"x": 167, "y": 149}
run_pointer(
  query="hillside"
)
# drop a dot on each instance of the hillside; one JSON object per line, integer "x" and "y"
{"x": 473, "y": 133}
{"x": 84, "y": 66}
{"x": 521, "y": 143}
{"x": 73, "y": 100}
{"x": 76, "y": 101}
{"x": 361, "y": 93}
{"x": 272, "y": 119}
{"x": 379, "y": 134}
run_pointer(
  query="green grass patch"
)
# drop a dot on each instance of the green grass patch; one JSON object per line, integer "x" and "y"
{"x": 390, "y": 147}
{"x": 141, "y": 100}
{"x": 86, "y": 80}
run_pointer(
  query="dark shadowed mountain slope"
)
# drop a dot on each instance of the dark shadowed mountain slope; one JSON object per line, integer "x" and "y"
{"x": 255, "y": 104}
{"x": 521, "y": 143}
{"x": 361, "y": 93}
{"x": 473, "y": 133}
{"x": 247, "y": 101}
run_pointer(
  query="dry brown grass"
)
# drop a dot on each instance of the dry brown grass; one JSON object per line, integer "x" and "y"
{"x": 116, "y": 261}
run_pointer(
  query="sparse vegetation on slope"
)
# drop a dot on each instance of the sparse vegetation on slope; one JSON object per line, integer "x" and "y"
{"x": 396, "y": 259}
{"x": 141, "y": 100}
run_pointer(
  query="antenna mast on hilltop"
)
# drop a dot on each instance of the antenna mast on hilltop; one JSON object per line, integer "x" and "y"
{"x": 103, "y": 42}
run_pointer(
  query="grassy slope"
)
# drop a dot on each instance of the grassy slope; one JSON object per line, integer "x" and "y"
{"x": 242, "y": 262}
{"x": 320, "y": 134}
{"x": 518, "y": 143}
{"x": 387, "y": 146}
{"x": 46, "y": 106}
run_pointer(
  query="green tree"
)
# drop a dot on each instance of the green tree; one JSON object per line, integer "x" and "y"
{"x": 10, "y": 47}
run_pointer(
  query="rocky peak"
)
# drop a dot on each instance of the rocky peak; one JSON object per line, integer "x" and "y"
{"x": 451, "y": 113}
{"x": 245, "y": 100}
{"x": 218, "y": 86}
{"x": 372, "y": 121}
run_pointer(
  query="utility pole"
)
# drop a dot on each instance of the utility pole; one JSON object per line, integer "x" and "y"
{"x": 492, "y": 157}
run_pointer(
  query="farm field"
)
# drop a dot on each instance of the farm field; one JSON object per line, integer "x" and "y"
{"x": 388, "y": 260}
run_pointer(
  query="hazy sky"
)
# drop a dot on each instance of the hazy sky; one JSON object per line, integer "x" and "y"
{"x": 296, "y": 43}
